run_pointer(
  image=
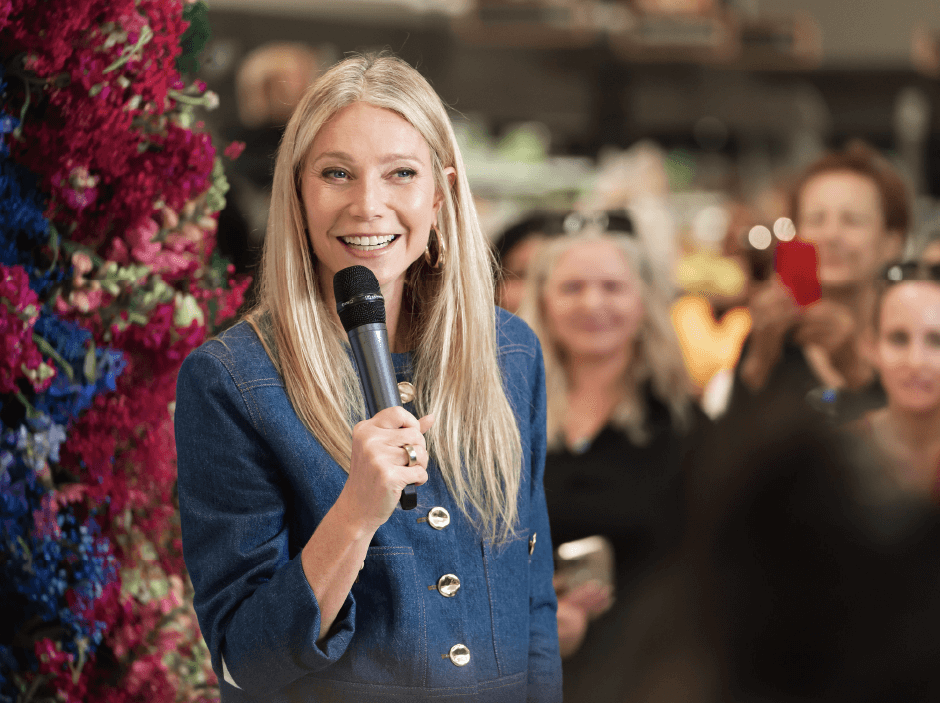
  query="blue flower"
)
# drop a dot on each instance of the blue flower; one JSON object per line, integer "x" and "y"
{"x": 38, "y": 570}
{"x": 67, "y": 397}
{"x": 7, "y": 124}
{"x": 9, "y": 693}
{"x": 23, "y": 228}
{"x": 67, "y": 338}
{"x": 39, "y": 440}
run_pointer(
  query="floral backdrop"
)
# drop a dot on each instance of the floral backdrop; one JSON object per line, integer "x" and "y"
{"x": 109, "y": 190}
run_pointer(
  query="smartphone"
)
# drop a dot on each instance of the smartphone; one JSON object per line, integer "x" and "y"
{"x": 796, "y": 263}
{"x": 583, "y": 560}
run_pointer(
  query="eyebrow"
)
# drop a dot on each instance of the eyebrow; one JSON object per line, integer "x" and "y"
{"x": 347, "y": 157}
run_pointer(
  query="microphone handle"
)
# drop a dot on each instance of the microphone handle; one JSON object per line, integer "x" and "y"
{"x": 369, "y": 344}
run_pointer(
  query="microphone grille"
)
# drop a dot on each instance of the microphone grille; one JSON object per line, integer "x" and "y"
{"x": 359, "y": 299}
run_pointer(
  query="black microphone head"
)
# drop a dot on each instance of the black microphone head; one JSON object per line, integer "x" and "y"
{"x": 359, "y": 299}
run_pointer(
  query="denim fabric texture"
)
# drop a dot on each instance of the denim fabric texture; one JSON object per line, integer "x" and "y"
{"x": 253, "y": 486}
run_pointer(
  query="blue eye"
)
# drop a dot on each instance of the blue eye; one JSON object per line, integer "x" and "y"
{"x": 405, "y": 173}
{"x": 334, "y": 173}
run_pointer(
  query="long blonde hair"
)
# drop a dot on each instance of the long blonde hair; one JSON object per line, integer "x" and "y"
{"x": 657, "y": 357}
{"x": 475, "y": 439}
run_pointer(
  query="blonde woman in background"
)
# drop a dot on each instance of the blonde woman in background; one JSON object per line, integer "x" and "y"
{"x": 310, "y": 582}
{"x": 620, "y": 414}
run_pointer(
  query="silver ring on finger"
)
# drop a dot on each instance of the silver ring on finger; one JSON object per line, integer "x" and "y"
{"x": 412, "y": 454}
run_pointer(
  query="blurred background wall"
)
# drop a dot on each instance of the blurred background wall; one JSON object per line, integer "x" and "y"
{"x": 552, "y": 97}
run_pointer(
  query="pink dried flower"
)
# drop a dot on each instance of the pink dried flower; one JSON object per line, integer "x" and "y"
{"x": 234, "y": 150}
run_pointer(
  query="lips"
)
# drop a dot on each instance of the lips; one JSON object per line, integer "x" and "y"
{"x": 917, "y": 385}
{"x": 368, "y": 242}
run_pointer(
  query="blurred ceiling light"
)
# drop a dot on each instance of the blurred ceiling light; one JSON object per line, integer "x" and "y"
{"x": 759, "y": 237}
{"x": 784, "y": 229}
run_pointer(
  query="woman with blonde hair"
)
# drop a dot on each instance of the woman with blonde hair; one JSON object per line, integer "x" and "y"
{"x": 310, "y": 583}
{"x": 620, "y": 410}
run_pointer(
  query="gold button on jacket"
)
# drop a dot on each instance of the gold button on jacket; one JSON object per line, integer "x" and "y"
{"x": 448, "y": 585}
{"x": 438, "y": 518}
{"x": 406, "y": 391}
{"x": 460, "y": 655}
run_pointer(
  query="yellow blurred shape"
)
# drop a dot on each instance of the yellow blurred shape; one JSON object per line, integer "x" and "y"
{"x": 708, "y": 345}
{"x": 707, "y": 273}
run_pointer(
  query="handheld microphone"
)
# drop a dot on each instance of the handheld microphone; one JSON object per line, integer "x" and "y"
{"x": 361, "y": 309}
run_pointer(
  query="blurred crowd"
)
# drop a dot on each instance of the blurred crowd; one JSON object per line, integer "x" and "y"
{"x": 743, "y": 475}
{"x": 779, "y": 543}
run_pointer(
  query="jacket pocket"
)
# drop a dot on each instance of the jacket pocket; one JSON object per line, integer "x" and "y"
{"x": 390, "y": 643}
{"x": 507, "y": 578}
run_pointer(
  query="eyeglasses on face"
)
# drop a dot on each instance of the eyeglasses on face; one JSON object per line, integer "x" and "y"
{"x": 604, "y": 220}
{"x": 911, "y": 271}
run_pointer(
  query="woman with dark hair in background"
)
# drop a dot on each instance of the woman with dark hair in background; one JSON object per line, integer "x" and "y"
{"x": 907, "y": 354}
{"x": 515, "y": 249}
{"x": 620, "y": 408}
{"x": 854, "y": 208}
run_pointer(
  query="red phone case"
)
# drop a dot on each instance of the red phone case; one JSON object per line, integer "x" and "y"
{"x": 796, "y": 263}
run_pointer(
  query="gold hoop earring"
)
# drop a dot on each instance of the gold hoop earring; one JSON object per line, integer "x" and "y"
{"x": 437, "y": 262}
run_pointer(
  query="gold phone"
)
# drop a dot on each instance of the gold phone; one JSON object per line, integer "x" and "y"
{"x": 583, "y": 560}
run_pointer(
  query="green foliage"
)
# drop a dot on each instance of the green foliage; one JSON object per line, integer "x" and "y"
{"x": 195, "y": 37}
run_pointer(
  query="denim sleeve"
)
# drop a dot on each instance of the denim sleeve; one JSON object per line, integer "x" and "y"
{"x": 255, "y": 606}
{"x": 544, "y": 657}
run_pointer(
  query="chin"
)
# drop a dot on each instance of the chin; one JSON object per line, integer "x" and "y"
{"x": 836, "y": 279}
{"x": 598, "y": 351}
{"x": 918, "y": 404}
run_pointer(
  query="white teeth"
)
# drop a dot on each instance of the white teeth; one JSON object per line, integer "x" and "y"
{"x": 369, "y": 242}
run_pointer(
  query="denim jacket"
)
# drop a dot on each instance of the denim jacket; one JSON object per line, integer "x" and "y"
{"x": 253, "y": 486}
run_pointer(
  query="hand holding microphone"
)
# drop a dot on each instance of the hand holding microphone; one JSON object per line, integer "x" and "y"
{"x": 389, "y": 454}
{"x": 380, "y": 472}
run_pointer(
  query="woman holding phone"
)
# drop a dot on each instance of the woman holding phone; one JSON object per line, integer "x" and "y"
{"x": 853, "y": 207}
{"x": 310, "y": 583}
{"x": 620, "y": 416}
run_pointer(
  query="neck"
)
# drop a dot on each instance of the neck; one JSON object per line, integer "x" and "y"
{"x": 587, "y": 373}
{"x": 916, "y": 429}
{"x": 398, "y": 325}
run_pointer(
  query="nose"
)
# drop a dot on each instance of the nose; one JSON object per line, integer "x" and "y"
{"x": 825, "y": 233}
{"x": 367, "y": 198}
{"x": 591, "y": 297}
{"x": 916, "y": 354}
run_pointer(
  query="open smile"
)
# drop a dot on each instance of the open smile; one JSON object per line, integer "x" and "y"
{"x": 370, "y": 242}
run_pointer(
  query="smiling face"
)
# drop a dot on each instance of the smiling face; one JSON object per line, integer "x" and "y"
{"x": 908, "y": 345}
{"x": 592, "y": 301}
{"x": 369, "y": 195}
{"x": 841, "y": 213}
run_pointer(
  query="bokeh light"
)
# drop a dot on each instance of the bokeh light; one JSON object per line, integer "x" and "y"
{"x": 710, "y": 224}
{"x": 760, "y": 237}
{"x": 784, "y": 229}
